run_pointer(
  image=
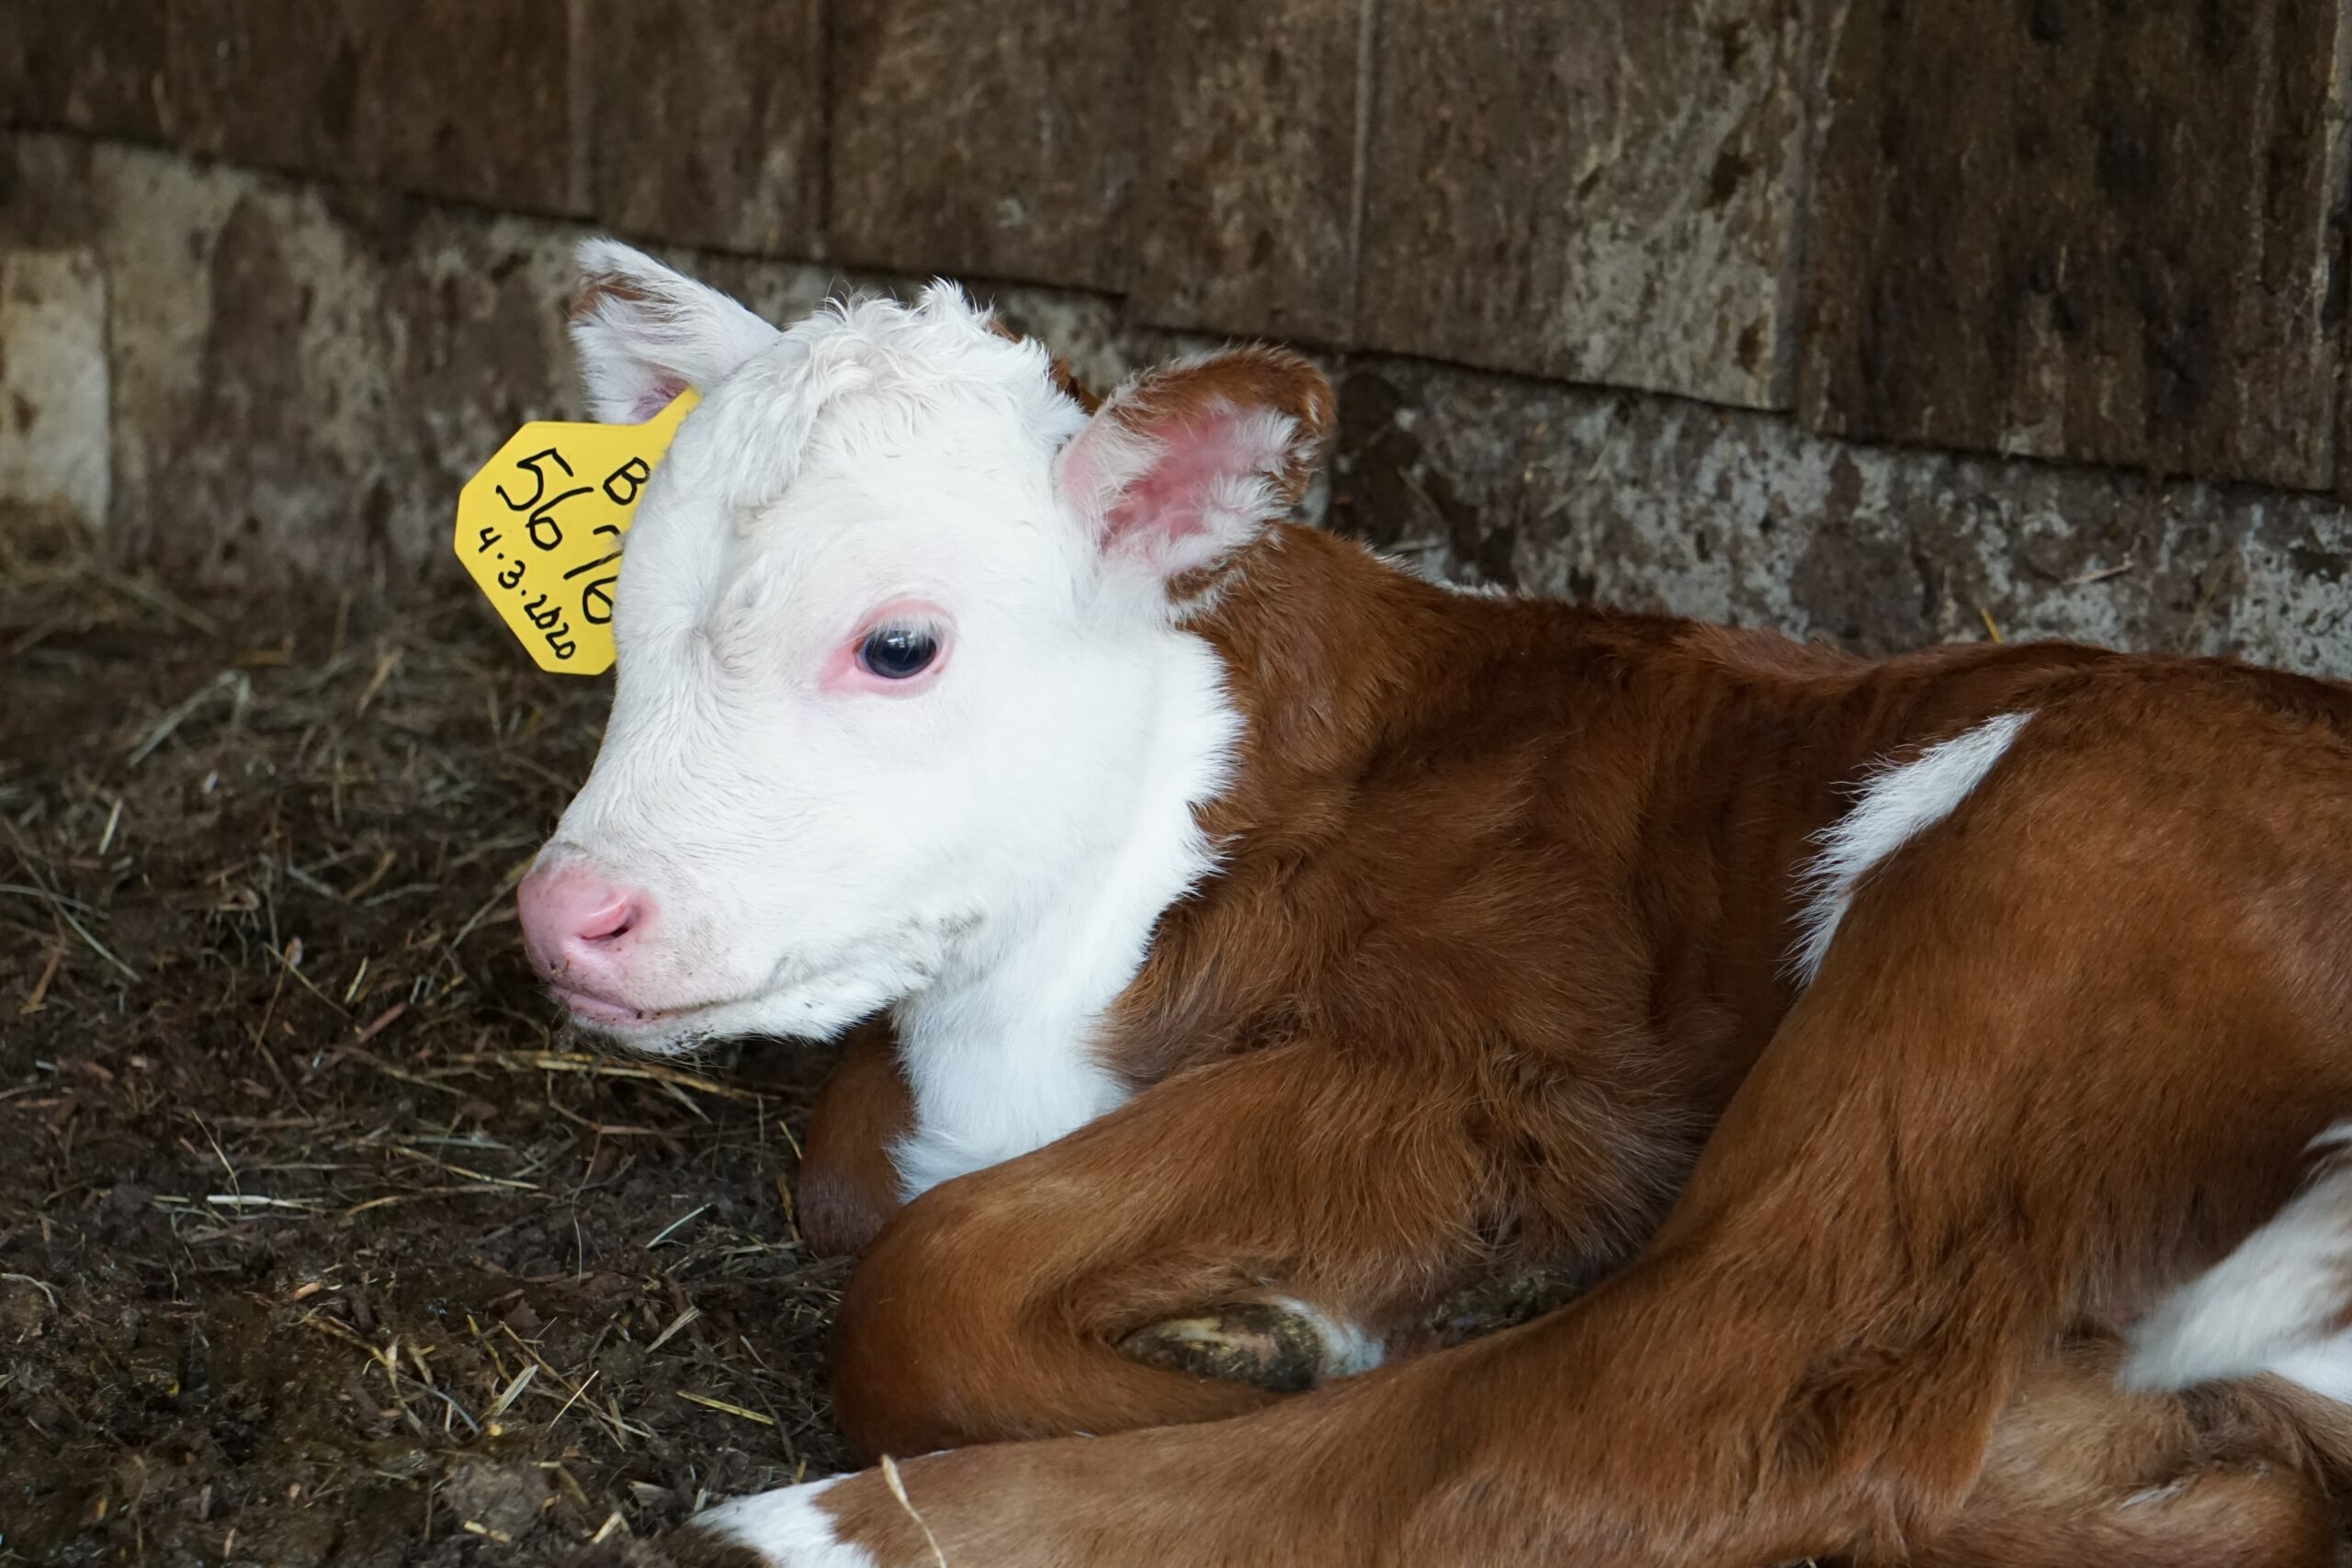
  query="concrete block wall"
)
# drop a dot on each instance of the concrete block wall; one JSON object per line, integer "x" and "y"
{"x": 1878, "y": 324}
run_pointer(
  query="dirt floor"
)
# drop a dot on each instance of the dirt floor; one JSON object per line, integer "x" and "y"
{"x": 320, "y": 1241}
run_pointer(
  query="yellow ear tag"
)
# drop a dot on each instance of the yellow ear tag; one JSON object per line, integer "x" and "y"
{"x": 540, "y": 530}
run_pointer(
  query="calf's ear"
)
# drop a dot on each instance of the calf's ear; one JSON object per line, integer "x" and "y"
{"x": 1186, "y": 463}
{"x": 646, "y": 334}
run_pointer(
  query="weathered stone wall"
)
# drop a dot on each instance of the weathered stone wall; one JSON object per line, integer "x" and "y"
{"x": 1662, "y": 504}
{"x": 1698, "y": 305}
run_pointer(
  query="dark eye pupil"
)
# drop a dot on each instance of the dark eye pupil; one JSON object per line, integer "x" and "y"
{"x": 896, "y": 652}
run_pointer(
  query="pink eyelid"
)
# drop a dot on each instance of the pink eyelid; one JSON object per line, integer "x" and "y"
{"x": 843, "y": 673}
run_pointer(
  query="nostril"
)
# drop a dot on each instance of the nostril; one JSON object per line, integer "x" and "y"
{"x": 609, "y": 924}
{"x": 575, "y": 919}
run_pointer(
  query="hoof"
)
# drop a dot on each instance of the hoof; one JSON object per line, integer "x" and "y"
{"x": 1282, "y": 1346}
{"x": 1503, "y": 1301}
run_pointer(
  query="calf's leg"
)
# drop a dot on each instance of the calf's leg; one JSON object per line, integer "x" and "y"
{"x": 1290, "y": 1202}
{"x": 848, "y": 1186}
{"x": 849, "y": 1191}
{"x": 2080, "y": 1471}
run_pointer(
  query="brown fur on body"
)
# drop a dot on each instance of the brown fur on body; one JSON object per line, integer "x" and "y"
{"x": 1495, "y": 973}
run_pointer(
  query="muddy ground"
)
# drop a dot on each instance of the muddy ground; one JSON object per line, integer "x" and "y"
{"x": 320, "y": 1241}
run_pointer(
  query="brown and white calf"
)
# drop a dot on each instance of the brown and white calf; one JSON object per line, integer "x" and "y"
{"x": 1934, "y": 1061}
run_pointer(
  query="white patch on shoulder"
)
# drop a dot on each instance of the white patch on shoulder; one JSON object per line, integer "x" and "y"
{"x": 1001, "y": 1052}
{"x": 2274, "y": 1304}
{"x": 1896, "y": 804}
{"x": 785, "y": 1526}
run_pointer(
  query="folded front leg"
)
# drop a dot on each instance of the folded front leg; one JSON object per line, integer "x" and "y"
{"x": 1272, "y": 1219}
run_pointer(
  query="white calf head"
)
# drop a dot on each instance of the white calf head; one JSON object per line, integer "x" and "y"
{"x": 893, "y": 628}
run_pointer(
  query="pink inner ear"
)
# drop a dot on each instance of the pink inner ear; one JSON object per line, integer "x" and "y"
{"x": 1170, "y": 500}
{"x": 658, "y": 394}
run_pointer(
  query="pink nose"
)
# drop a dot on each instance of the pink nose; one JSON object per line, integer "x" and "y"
{"x": 578, "y": 928}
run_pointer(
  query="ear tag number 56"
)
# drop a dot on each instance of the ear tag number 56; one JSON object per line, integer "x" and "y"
{"x": 540, "y": 528}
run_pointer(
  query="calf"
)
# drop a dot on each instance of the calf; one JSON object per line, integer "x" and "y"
{"x": 1275, "y": 942}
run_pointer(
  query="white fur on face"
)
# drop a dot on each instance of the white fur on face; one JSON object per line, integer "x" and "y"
{"x": 991, "y": 850}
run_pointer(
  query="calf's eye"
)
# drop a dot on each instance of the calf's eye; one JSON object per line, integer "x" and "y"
{"x": 897, "y": 653}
